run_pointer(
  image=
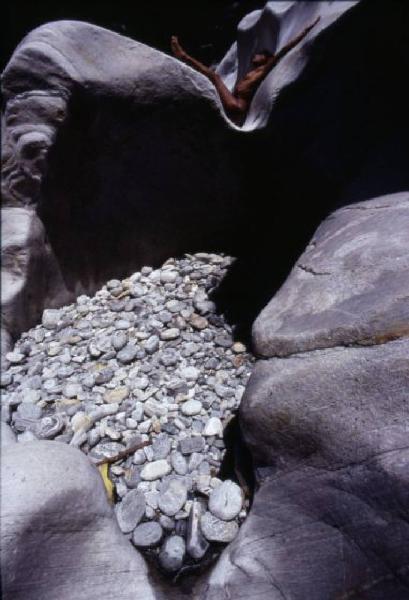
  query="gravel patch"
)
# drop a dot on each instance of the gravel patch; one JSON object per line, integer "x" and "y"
{"x": 145, "y": 368}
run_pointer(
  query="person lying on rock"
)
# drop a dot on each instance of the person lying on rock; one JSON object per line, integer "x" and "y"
{"x": 237, "y": 103}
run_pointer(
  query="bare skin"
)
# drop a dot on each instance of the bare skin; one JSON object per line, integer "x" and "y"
{"x": 237, "y": 103}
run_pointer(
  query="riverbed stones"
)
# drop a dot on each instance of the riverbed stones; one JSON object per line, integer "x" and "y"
{"x": 188, "y": 445}
{"x": 213, "y": 426}
{"x": 147, "y": 535}
{"x": 226, "y": 501}
{"x": 155, "y": 470}
{"x": 172, "y": 497}
{"x": 191, "y": 408}
{"x": 51, "y": 318}
{"x": 130, "y": 511}
{"x": 172, "y": 553}
{"x": 196, "y": 545}
{"x": 113, "y": 372}
{"x": 216, "y": 530}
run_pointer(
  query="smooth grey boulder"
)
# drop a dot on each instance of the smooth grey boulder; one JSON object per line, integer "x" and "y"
{"x": 322, "y": 534}
{"x": 327, "y": 421}
{"x": 60, "y": 539}
{"x": 349, "y": 287}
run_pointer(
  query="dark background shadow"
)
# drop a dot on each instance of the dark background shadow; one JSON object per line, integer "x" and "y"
{"x": 207, "y": 28}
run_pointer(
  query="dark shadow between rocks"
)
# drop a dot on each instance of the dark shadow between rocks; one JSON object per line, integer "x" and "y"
{"x": 336, "y": 136}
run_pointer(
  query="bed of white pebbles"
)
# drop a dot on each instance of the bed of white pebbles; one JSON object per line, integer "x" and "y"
{"x": 146, "y": 359}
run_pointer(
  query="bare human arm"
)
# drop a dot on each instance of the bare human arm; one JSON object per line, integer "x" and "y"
{"x": 233, "y": 106}
{"x": 273, "y": 60}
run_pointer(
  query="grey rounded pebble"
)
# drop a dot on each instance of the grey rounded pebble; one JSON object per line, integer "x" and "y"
{"x": 173, "y": 497}
{"x": 179, "y": 463}
{"x": 191, "y": 408}
{"x": 119, "y": 340}
{"x": 226, "y": 500}
{"x": 127, "y": 354}
{"x": 104, "y": 376}
{"x": 172, "y": 553}
{"x": 130, "y": 510}
{"x": 155, "y": 470}
{"x": 216, "y": 530}
{"x": 147, "y": 535}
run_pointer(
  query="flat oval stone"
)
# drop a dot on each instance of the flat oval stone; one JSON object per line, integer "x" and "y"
{"x": 151, "y": 345}
{"x": 119, "y": 340}
{"x": 191, "y": 407}
{"x": 172, "y": 497}
{"x": 168, "y": 276}
{"x": 226, "y": 500}
{"x": 104, "y": 376}
{"x": 179, "y": 463}
{"x": 172, "y": 553}
{"x": 170, "y": 334}
{"x": 216, "y": 530}
{"x": 130, "y": 510}
{"x": 155, "y": 470}
{"x": 147, "y": 535}
{"x": 213, "y": 426}
{"x": 117, "y": 395}
{"x": 127, "y": 354}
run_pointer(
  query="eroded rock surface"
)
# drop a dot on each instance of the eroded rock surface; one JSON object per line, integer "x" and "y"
{"x": 327, "y": 426}
{"x": 60, "y": 538}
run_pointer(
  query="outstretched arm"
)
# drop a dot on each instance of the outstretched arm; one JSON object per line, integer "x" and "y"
{"x": 234, "y": 107}
{"x": 289, "y": 46}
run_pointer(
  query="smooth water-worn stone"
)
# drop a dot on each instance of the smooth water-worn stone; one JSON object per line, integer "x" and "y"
{"x": 172, "y": 553}
{"x": 104, "y": 375}
{"x": 51, "y": 318}
{"x": 179, "y": 463}
{"x": 172, "y": 497}
{"x": 191, "y": 407}
{"x": 192, "y": 444}
{"x": 54, "y": 505}
{"x": 189, "y": 373}
{"x": 161, "y": 446}
{"x": 119, "y": 340}
{"x": 216, "y": 530}
{"x": 155, "y": 470}
{"x": 212, "y": 427}
{"x": 170, "y": 334}
{"x": 127, "y": 354}
{"x": 30, "y": 396}
{"x": 15, "y": 358}
{"x": 147, "y": 535}
{"x": 130, "y": 511}
{"x": 116, "y": 395}
{"x": 226, "y": 501}
{"x": 196, "y": 544}
{"x": 151, "y": 345}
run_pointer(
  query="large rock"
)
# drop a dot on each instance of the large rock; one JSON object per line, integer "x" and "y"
{"x": 60, "y": 539}
{"x": 327, "y": 423}
{"x": 122, "y": 152}
{"x": 350, "y": 286}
